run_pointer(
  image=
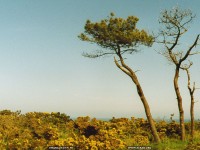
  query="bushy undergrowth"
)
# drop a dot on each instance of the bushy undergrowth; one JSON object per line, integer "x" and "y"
{"x": 37, "y": 130}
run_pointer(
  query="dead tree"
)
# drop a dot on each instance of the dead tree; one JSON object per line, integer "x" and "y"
{"x": 174, "y": 24}
{"x": 191, "y": 91}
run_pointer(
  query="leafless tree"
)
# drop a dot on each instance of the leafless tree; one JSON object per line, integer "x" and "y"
{"x": 191, "y": 91}
{"x": 174, "y": 24}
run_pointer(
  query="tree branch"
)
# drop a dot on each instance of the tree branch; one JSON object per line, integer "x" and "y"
{"x": 194, "y": 53}
{"x": 176, "y": 40}
{"x": 189, "y": 50}
{"x": 122, "y": 61}
{"x": 129, "y": 50}
{"x": 186, "y": 67}
{"x": 121, "y": 68}
{"x": 97, "y": 54}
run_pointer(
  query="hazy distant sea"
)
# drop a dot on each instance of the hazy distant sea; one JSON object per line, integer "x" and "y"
{"x": 167, "y": 120}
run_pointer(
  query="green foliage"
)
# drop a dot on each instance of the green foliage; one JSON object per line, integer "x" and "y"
{"x": 114, "y": 33}
{"x": 170, "y": 144}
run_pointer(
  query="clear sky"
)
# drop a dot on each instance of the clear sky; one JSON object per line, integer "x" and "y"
{"x": 41, "y": 67}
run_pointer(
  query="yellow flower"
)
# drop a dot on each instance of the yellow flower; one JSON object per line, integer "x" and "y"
{"x": 94, "y": 148}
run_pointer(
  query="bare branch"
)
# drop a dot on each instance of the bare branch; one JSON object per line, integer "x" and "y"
{"x": 137, "y": 71}
{"x": 130, "y": 51}
{"x": 97, "y": 54}
{"x": 189, "y": 20}
{"x": 175, "y": 24}
{"x": 194, "y": 53}
{"x": 176, "y": 40}
{"x": 189, "y": 50}
{"x": 186, "y": 66}
{"x": 173, "y": 57}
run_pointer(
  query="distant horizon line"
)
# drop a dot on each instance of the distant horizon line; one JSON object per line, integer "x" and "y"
{"x": 109, "y": 118}
{"x": 105, "y": 118}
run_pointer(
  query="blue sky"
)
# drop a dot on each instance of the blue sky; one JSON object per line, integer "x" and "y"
{"x": 41, "y": 67}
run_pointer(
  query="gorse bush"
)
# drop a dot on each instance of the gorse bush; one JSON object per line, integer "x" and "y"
{"x": 37, "y": 130}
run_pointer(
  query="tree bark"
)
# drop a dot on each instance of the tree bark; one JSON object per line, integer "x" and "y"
{"x": 147, "y": 109}
{"x": 191, "y": 91}
{"x": 127, "y": 70}
{"x": 180, "y": 105}
{"x": 192, "y": 116}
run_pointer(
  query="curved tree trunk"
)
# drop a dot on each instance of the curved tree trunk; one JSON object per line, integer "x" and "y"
{"x": 133, "y": 76}
{"x": 147, "y": 109}
{"x": 180, "y": 105}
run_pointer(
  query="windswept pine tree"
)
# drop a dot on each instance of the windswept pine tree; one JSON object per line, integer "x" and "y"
{"x": 118, "y": 36}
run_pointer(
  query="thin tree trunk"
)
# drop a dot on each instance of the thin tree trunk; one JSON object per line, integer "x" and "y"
{"x": 180, "y": 105}
{"x": 133, "y": 76}
{"x": 192, "y": 116}
{"x": 191, "y": 91}
{"x": 147, "y": 109}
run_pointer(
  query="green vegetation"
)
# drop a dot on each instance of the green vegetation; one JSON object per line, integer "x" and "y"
{"x": 39, "y": 130}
